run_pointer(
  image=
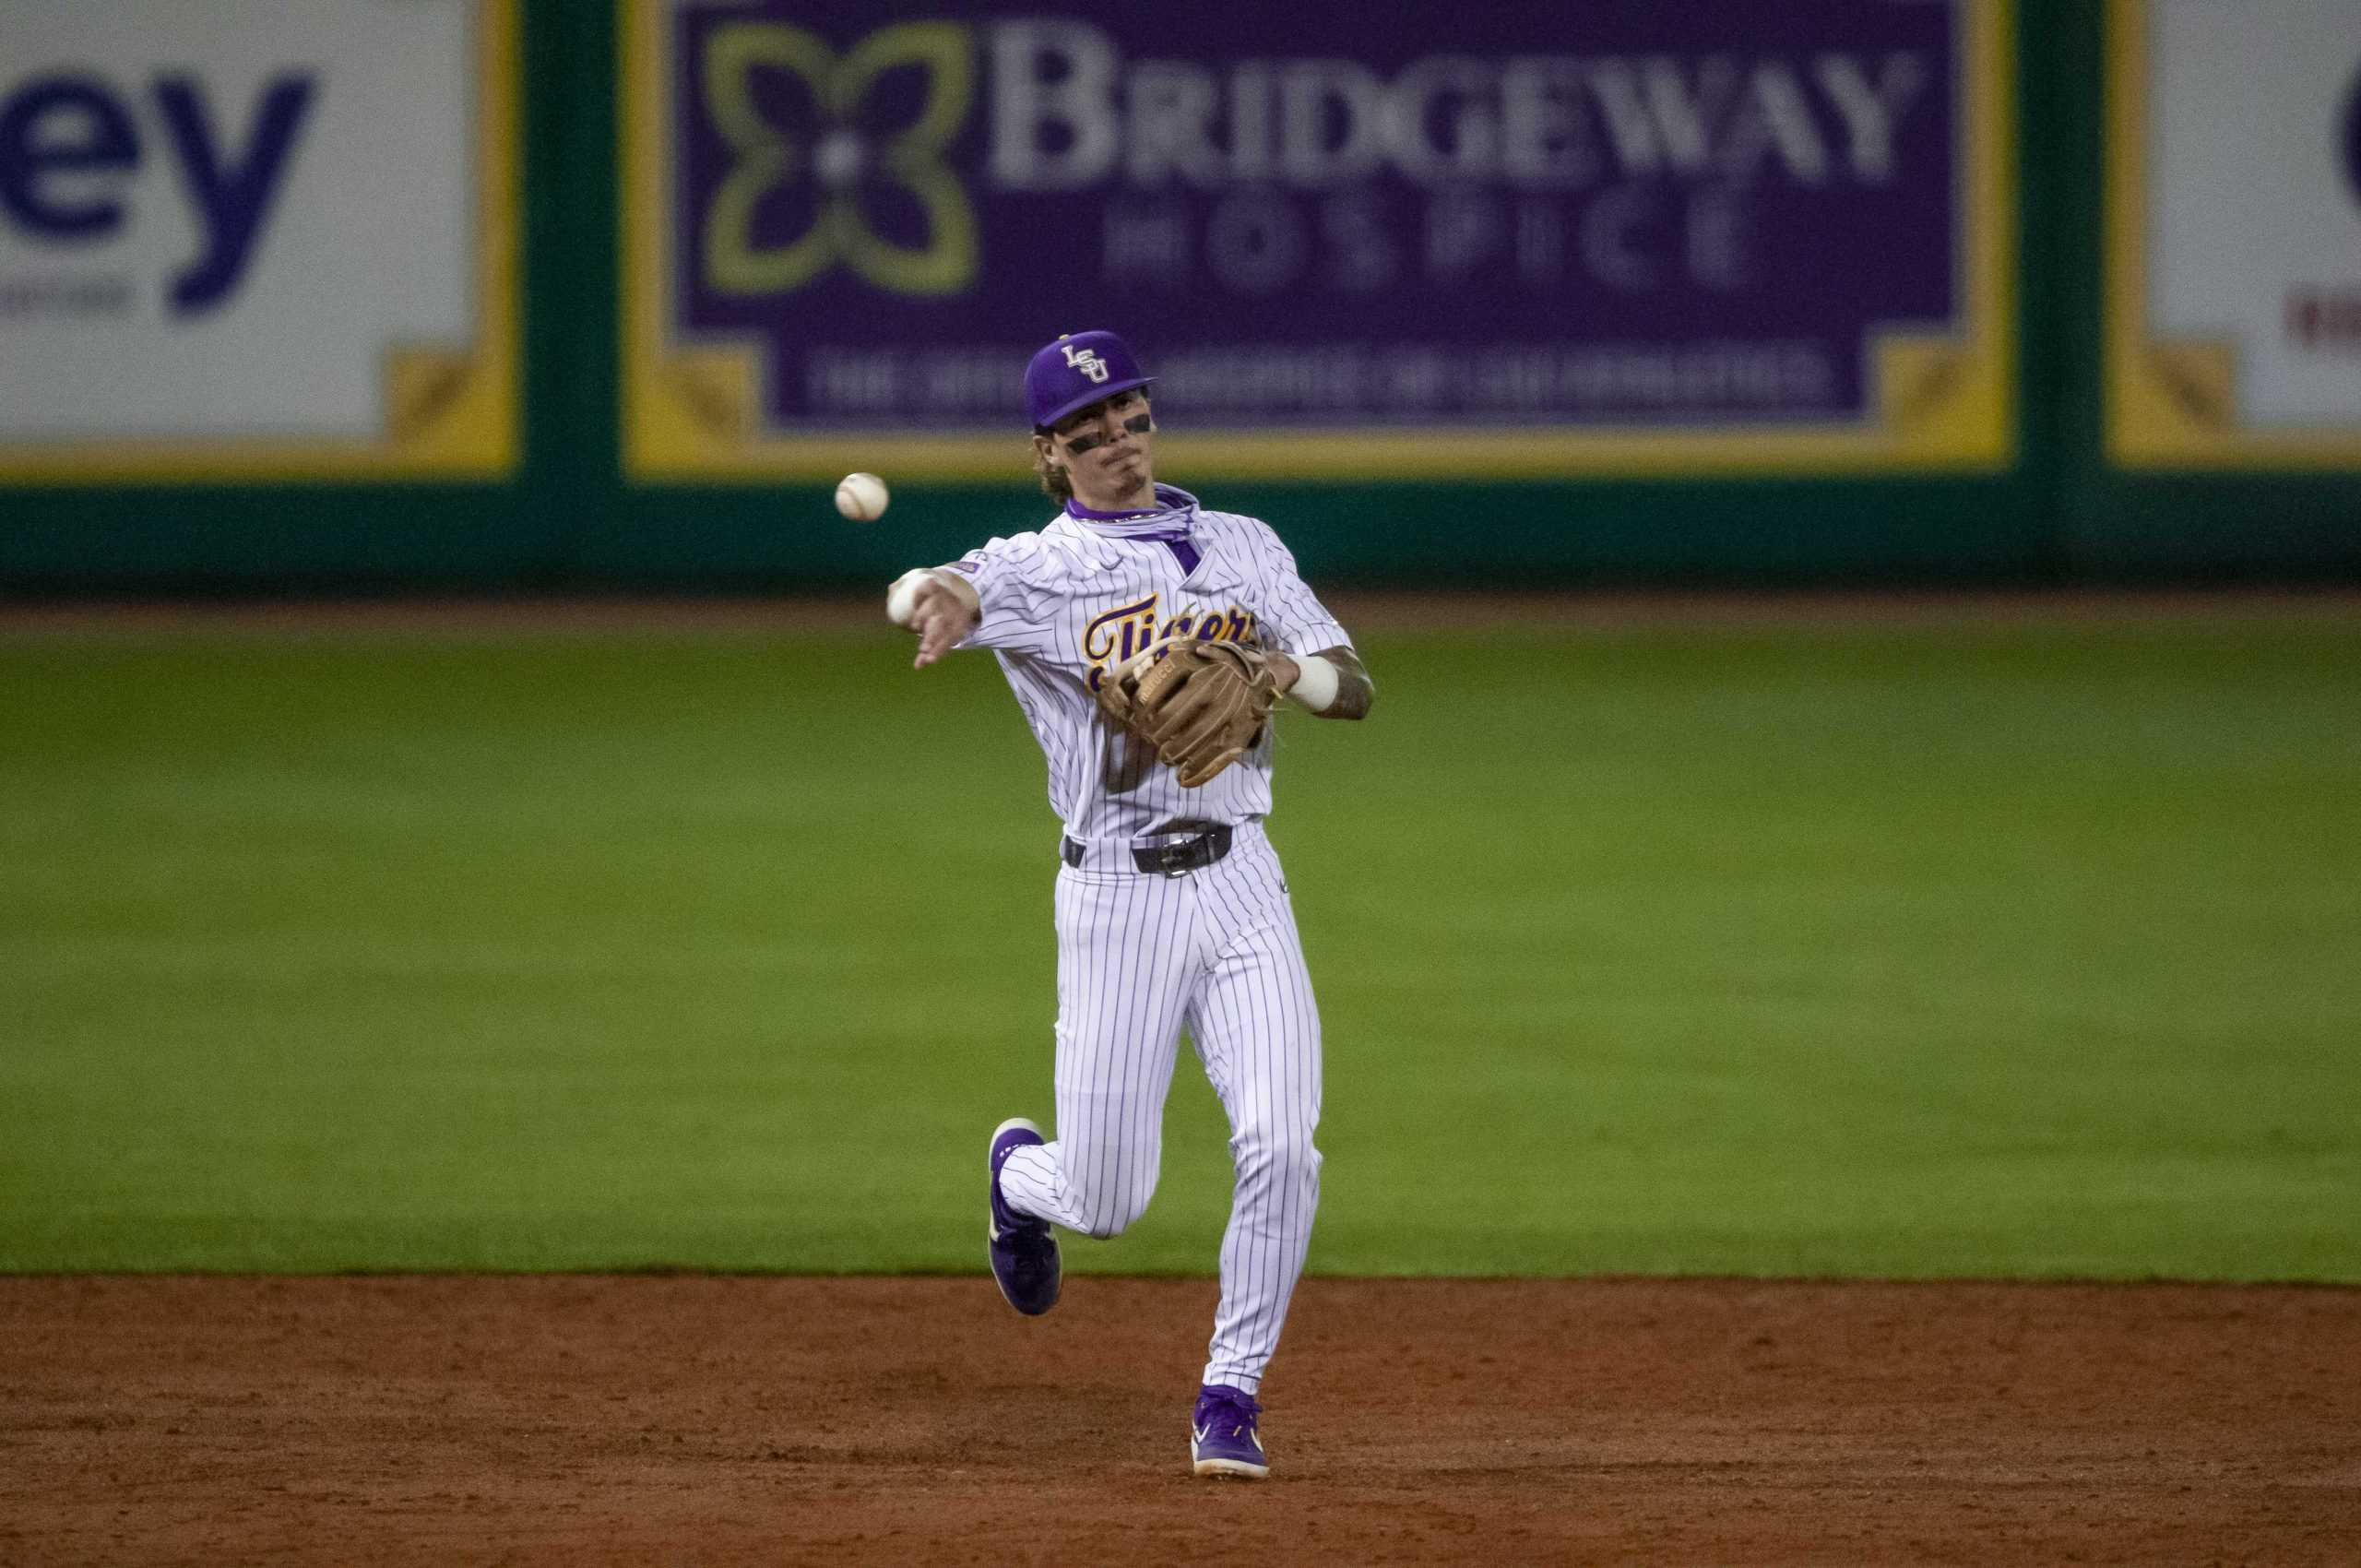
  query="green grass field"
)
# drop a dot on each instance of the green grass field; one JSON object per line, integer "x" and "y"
{"x": 1906, "y": 950}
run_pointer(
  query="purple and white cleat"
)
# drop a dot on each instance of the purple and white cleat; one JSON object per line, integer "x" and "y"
{"x": 1222, "y": 1439}
{"x": 1024, "y": 1252}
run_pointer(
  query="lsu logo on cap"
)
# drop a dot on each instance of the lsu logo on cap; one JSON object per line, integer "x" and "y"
{"x": 1088, "y": 362}
{"x": 822, "y": 134}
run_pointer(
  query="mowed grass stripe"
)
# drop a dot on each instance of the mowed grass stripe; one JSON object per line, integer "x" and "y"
{"x": 1863, "y": 950}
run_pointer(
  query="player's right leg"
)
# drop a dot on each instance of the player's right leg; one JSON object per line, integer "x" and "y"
{"x": 1127, "y": 956}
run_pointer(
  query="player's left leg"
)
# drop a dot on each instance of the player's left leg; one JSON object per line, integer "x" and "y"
{"x": 1258, "y": 1029}
{"x": 1128, "y": 955}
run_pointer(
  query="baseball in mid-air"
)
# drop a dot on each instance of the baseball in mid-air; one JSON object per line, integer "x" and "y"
{"x": 862, "y": 497}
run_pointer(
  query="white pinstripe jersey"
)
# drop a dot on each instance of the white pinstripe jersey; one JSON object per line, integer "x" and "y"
{"x": 1061, "y": 605}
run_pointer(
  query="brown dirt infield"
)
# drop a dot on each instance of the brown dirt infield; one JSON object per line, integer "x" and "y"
{"x": 693, "y": 1419}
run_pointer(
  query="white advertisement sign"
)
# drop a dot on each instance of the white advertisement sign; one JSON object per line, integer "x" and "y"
{"x": 2235, "y": 307}
{"x": 255, "y": 238}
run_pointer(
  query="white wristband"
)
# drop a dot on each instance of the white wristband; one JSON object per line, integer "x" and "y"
{"x": 1316, "y": 680}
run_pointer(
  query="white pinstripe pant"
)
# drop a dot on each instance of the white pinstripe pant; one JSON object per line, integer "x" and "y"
{"x": 1141, "y": 956}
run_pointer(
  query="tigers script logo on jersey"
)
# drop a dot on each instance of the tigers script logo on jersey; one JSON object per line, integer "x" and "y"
{"x": 1116, "y": 635}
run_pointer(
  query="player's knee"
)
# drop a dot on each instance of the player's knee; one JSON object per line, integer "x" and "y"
{"x": 1117, "y": 1215}
{"x": 1109, "y": 1208}
{"x": 1299, "y": 1164}
{"x": 1281, "y": 1159}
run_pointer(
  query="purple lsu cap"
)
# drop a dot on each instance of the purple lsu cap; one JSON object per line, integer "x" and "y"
{"x": 1075, "y": 372}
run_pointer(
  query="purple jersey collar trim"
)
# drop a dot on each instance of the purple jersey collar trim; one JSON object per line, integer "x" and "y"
{"x": 1175, "y": 512}
{"x": 1076, "y": 509}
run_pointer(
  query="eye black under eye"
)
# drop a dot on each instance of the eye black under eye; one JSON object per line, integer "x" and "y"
{"x": 1138, "y": 424}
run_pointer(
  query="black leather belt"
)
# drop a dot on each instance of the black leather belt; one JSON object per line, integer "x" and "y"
{"x": 1166, "y": 860}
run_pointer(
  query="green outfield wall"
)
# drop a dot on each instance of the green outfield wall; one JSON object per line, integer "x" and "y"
{"x": 531, "y": 487}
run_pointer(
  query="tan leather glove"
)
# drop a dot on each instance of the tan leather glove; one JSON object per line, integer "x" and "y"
{"x": 1202, "y": 705}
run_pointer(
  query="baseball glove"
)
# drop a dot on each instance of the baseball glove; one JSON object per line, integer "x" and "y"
{"x": 1202, "y": 705}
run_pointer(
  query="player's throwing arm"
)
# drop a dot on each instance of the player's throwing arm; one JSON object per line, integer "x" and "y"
{"x": 936, "y": 603}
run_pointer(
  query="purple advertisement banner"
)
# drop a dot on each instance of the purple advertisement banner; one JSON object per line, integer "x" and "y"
{"x": 1615, "y": 216}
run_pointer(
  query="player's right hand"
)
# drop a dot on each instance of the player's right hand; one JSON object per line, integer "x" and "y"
{"x": 940, "y": 618}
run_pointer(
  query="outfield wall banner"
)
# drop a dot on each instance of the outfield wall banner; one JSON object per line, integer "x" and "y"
{"x": 257, "y": 239}
{"x": 2234, "y": 234}
{"x": 1438, "y": 241}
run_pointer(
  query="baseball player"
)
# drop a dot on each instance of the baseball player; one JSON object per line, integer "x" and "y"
{"x": 1147, "y": 638}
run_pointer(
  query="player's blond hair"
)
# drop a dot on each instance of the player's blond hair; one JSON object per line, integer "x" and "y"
{"x": 1053, "y": 476}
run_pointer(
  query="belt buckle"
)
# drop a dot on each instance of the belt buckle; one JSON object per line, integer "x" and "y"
{"x": 1194, "y": 850}
{"x": 1171, "y": 860}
